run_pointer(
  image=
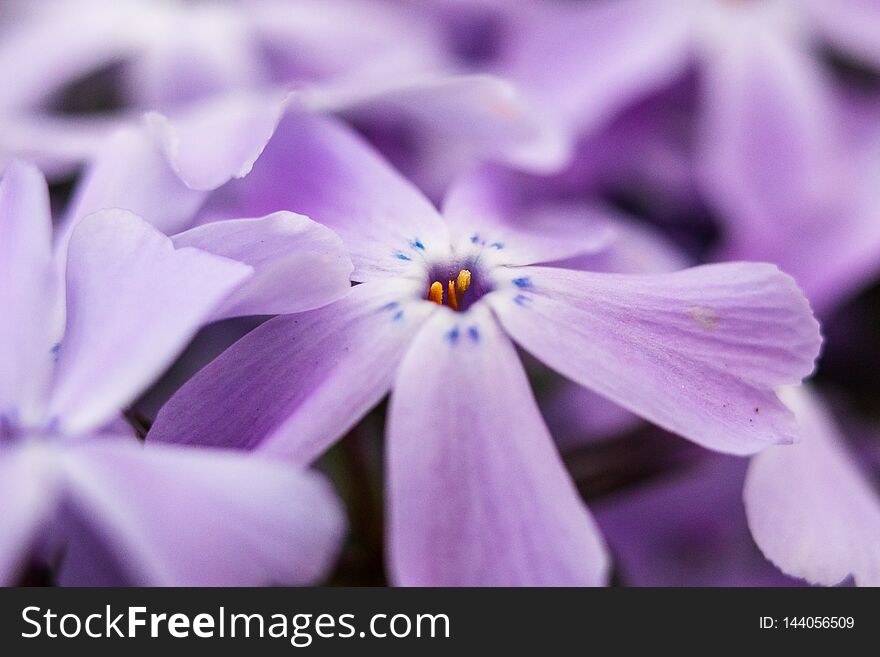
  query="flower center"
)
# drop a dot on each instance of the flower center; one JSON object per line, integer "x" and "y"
{"x": 457, "y": 286}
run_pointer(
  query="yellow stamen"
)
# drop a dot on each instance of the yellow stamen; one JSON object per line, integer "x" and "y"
{"x": 436, "y": 293}
{"x": 463, "y": 282}
{"x": 452, "y": 301}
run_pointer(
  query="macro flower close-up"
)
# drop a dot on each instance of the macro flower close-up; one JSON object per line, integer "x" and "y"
{"x": 453, "y": 293}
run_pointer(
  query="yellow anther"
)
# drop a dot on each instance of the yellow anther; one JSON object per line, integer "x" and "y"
{"x": 452, "y": 300}
{"x": 436, "y": 293}
{"x": 463, "y": 282}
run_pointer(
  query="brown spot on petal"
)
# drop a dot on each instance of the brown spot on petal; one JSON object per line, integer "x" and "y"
{"x": 705, "y": 317}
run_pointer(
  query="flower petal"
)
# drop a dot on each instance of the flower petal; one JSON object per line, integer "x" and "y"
{"x": 768, "y": 154}
{"x": 28, "y": 493}
{"x": 130, "y": 172}
{"x": 811, "y": 510}
{"x": 185, "y": 517}
{"x": 478, "y": 494}
{"x": 218, "y": 139}
{"x": 298, "y": 264}
{"x": 27, "y": 292}
{"x": 317, "y": 166}
{"x": 697, "y": 352}
{"x": 298, "y": 382}
{"x": 491, "y": 206}
{"x": 471, "y": 117}
{"x": 616, "y": 52}
{"x": 133, "y": 302}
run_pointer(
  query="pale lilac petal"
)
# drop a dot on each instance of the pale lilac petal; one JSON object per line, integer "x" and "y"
{"x": 298, "y": 382}
{"x": 318, "y": 167}
{"x": 697, "y": 352}
{"x": 185, "y": 517}
{"x": 58, "y": 145}
{"x": 218, "y": 139}
{"x": 811, "y": 509}
{"x": 465, "y": 118}
{"x": 488, "y": 207}
{"x": 27, "y": 292}
{"x": 588, "y": 60}
{"x": 298, "y": 264}
{"x": 768, "y": 136}
{"x": 478, "y": 494}
{"x": 130, "y": 172}
{"x": 133, "y": 302}
{"x": 28, "y": 493}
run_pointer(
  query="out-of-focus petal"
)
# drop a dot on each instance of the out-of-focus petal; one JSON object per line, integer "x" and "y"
{"x": 130, "y": 172}
{"x": 218, "y": 139}
{"x": 28, "y": 493}
{"x": 487, "y": 207}
{"x": 298, "y": 264}
{"x": 851, "y": 25}
{"x": 133, "y": 302}
{"x": 27, "y": 292}
{"x": 769, "y": 133}
{"x": 318, "y": 167}
{"x": 296, "y": 383}
{"x": 478, "y": 494}
{"x": 587, "y": 61}
{"x": 686, "y": 529}
{"x": 697, "y": 352}
{"x": 472, "y": 117}
{"x": 177, "y": 516}
{"x": 810, "y": 508}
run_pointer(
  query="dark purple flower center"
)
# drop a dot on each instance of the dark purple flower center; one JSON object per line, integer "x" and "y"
{"x": 457, "y": 285}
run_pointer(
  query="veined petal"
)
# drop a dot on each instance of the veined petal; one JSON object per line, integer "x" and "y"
{"x": 298, "y": 382}
{"x": 133, "y": 302}
{"x": 317, "y": 166}
{"x": 27, "y": 292}
{"x": 28, "y": 495}
{"x": 478, "y": 494}
{"x": 177, "y": 516}
{"x": 298, "y": 264}
{"x": 698, "y": 352}
{"x": 810, "y": 508}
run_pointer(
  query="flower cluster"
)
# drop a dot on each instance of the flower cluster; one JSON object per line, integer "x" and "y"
{"x": 447, "y": 293}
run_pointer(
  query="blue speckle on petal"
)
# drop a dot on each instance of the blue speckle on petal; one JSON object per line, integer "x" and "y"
{"x": 452, "y": 336}
{"x": 474, "y": 333}
{"x": 497, "y": 245}
{"x": 401, "y": 256}
{"x": 520, "y": 299}
{"x": 475, "y": 238}
{"x": 55, "y": 349}
{"x": 418, "y": 244}
{"x": 397, "y": 316}
{"x": 390, "y": 306}
{"x": 523, "y": 282}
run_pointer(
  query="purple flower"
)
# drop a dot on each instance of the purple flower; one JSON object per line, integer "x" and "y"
{"x": 72, "y": 356}
{"x": 811, "y": 508}
{"x": 770, "y": 133}
{"x": 167, "y": 54}
{"x": 477, "y": 493}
